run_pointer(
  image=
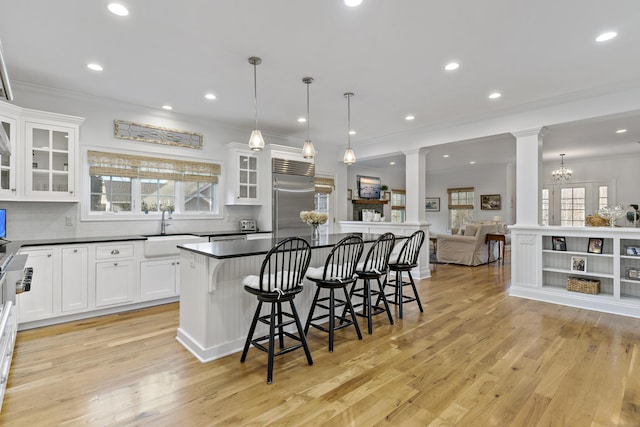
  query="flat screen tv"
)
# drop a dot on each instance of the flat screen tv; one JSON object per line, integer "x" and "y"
{"x": 368, "y": 187}
{"x": 3, "y": 223}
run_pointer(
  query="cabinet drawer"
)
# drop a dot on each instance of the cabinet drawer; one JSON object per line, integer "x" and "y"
{"x": 114, "y": 251}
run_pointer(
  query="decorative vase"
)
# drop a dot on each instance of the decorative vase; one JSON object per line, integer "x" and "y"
{"x": 315, "y": 233}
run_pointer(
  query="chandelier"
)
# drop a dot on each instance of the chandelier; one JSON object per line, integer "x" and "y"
{"x": 562, "y": 174}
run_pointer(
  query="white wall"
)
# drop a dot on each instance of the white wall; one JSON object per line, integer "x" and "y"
{"x": 487, "y": 179}
{"x": 31, "y": 220}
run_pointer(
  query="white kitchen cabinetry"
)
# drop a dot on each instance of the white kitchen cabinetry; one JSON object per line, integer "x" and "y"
{"x": 159, "y": 279}
{"x": 75, "y": 276}
{"x": 115, "y": 274}
{"x": 50, "y": 171}
{"x": 8, "y": 163}
{"x": 44, "y": 158}
{"x": 38, "y": 302}
{"x": 242, "y": 176}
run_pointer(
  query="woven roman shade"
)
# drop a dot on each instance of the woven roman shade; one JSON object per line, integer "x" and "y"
{"x": 324, "y": 185}
{"x": 131, "y": 166}
{"x": 457, "y": 198}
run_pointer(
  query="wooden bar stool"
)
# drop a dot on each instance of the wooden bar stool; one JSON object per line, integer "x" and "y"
{"x": 374, "y": 267}
{"x": 406, "y": 260}
{"x": 338, "y": 272}
{"x": 280, "y": 280}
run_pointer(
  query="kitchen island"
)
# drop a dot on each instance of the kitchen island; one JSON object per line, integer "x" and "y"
{"x": 215, "y": 310}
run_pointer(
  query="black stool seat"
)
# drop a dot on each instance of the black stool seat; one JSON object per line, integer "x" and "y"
{"x": 337, "y": 273}
{"x": 280, "y": 280}
{"x": 406, "y": 260}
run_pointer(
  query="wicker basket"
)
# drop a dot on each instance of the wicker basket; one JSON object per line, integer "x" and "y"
{"x": 586, "y": 286}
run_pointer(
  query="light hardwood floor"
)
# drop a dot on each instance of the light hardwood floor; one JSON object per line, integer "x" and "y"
{"x": 475, "y": 357}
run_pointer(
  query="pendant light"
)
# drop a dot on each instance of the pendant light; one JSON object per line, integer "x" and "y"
{"x": 256, "y": 142}
{"x": 349, "y": 155}
{"x": 308, "y": 151}
{"x": 562, "y": 174}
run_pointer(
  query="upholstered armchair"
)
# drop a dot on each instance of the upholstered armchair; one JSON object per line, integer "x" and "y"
{"x": 468, "y": 247}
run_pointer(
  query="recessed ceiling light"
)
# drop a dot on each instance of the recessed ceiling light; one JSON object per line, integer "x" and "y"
{"x": 606, "y": 36}
{"x": 409, "y": 117}
{"x": 392, "y": 163}
{"x": 95, "y": 67}
{"x": 445, "y": 156}
{"x": 167, "y": 107}
{"x": 353, "y": 3}
{"x": 118, "y": 9}
{"x": 621, "y": 131}
{"x": 472, "y": 162}
{"x": 452, "y": 66}
{"x": 352, "y": 132}
{"x": 210, "y": 96}
{"x": 495, "y": 95}
{"x": 302, "y": 120}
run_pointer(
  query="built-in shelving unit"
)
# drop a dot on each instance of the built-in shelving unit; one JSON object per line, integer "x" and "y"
{"x": 540, "y": 272}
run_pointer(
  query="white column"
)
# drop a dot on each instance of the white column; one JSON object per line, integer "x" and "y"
{"x": 529, "y": 175}
{"x": 416, "y": 183}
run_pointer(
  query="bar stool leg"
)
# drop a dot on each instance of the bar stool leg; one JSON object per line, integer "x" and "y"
{"x": 252, "y": 329}
{"x": 399, "y": 298}
{"x": 311, "y": 311}
{"x": 415, "y": 292}
{"x": 351, "y": 310}
{"x": 303, "y": 338}
{"x": 386, "y": 304}
{"x": 272, "y": 333}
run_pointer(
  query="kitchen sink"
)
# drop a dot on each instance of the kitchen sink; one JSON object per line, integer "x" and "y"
{"x": 167, "y": 245}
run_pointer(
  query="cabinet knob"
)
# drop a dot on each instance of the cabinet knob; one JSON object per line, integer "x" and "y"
{"x": 13, "y": 189}
{"x": 115, "y": 264}
{"x": 71, "y": 192}
{"x": 75, "y": 251}
{"x": 115, "y": 252}
{"x": 173, "y": 263}
{"x": 48, "y": 255}
{"x": 178, "y": 262}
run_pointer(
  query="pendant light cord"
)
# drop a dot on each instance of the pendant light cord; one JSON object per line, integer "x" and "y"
{"x": 255, "y": 93}
{"x": 308, "y": 83}
{"x": 349, "y": 119}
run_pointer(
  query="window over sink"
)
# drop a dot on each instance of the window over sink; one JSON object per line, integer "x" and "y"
{"x": 141, "y": 185}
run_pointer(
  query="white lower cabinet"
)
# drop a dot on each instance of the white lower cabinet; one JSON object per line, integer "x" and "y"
{"x": 159, "y": 279}
{"x": 38, "y": 302}
{"x": 75, "y": 277}
{"x": 114, "y": 282}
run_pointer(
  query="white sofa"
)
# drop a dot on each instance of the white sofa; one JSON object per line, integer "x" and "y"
{"x": 468, "y": 247}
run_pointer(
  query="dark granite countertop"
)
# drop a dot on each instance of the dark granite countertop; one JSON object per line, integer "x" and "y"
{"x": 242, "y": 248}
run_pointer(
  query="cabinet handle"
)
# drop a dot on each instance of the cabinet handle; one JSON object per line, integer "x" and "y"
{"x": 48, "y": 255}
{"x": 173, "y": 263}
{"x": 115, "y": 252}
{"x": 178, "y": 262}
{"x": 13, "y": 189}
{"x": 71, "y": 192}
{"x": 75, "y": 251}
{"x": 115, "y": 264}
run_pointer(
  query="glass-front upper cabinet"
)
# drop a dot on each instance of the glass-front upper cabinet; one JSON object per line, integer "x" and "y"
{"x": 51, "y": 164}
{"x": 247, "y": 177}
{"x": 8, "y": 127}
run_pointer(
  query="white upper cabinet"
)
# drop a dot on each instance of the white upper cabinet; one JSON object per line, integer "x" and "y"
{"x": 242, "y": 183}
{"x": 45, "y": 156}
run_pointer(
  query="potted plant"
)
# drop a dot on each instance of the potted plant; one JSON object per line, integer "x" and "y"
{"x": 383, "y": 189}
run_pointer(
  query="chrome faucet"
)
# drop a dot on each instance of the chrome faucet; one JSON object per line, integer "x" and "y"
{"x": 163, "y": 223}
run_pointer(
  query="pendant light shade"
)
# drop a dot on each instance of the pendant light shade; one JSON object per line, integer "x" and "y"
{"x": 308, "y": 151}
{"x": 256, "y": 141}
{"x": 349, "y": 155}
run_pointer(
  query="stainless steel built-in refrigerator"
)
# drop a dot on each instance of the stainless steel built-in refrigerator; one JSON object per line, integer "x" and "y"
{"x": 293, "y": 191}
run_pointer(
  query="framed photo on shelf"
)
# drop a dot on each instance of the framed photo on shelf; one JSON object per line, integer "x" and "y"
{"x": 632, "y": 273}
{"x": 490, "y": 202}
{"x": 579, "y": 263}
{"x": 633, "y": 250}
{"x": 432, "y": 204}
{"x": 558, "y": 243}
{"x": 595, "y": 245}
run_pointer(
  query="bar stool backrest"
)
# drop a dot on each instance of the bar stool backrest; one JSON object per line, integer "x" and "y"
{"x": 285, "y": 265}
{"x": 343, "y": 259}
{"x": 377, "y": 258}
{"x": 411, "y": 249}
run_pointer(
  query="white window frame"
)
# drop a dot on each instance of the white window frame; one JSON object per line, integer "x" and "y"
{"x": 136, "y": 214}
{"x": 592, "y": 196}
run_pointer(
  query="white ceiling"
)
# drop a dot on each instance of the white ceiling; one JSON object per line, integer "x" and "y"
{"x": 391, "y": 54}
